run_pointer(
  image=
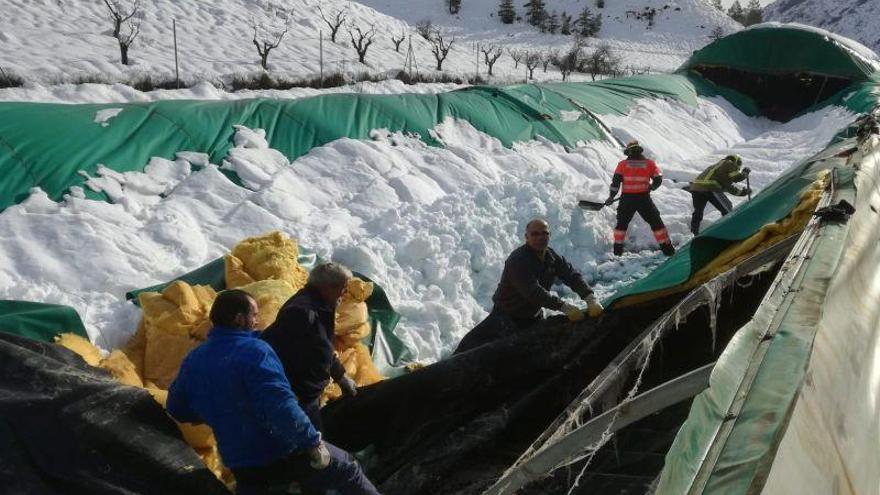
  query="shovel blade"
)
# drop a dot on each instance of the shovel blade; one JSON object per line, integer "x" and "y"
{"x": 591, "y": 205}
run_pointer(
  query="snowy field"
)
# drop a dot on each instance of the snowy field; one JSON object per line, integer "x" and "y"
{"x": 432, "y": 225}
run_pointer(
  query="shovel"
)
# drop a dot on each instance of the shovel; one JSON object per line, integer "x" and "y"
{"x": 594, "y": 205}
{"x": 749, "y": 187}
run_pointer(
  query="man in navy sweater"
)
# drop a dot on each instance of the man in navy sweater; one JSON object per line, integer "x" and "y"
{"x": 302, "y": 336}
{"x": 235, "y": 383}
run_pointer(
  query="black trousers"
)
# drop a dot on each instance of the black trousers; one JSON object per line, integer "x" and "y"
{"x": 700, "y": 199}
{"x": 630, "y": 204}
{"x": 496, "y": 326}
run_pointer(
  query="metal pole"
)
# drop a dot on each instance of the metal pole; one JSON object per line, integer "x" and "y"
{"x": 176, "y": 67}
{"x": 321, "y": 57}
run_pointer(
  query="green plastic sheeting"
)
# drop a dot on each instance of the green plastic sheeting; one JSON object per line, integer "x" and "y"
{"x": 51, "y": 145}
{"x": 39, "y": 321}
{"x": 728, "y": 442}
{"x": 784, "y": 49}
{"x": 387, "y": 349}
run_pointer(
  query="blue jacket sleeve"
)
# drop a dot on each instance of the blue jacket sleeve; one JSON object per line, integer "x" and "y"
{"x": 178, "y": 405}
{"x": 275, "y": 403}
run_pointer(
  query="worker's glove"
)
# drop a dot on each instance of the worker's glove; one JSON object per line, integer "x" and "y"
{"x": 746, "y": 171}
{"x": 319, "y": 456}
{"x": 348, "y": 386}
{"x": 594, "y": 307}
{"x": 572, "y": 312}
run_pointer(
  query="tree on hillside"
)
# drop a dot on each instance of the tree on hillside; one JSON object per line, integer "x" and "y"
{"x": 397, "y": 41}
{"x": 425, "y": 28}
{"x": 602, "y": 62}
{"x": 565, "y": 26}
{"x": 588, "y": 25}
{"x": 736, "y": 12}
{"x": 333, "y": 22}
{"x": 440, "y": 46}
{"x": 553, "y": 23}
{"x": 454, "y": 6}
{"x": 516, "y": 55}
{"x": 548, "y": 58}
{"x": 506, "y": 12}
{"x": 124, "y": 30}
{"x": 569, "y": 61}
{"x": 717, "y": 5}
{"x": 533, "y": 60}
{"x": 491, "y": 54}
{"x": 600, "y": 4}
{"x": 716, "y": 34}
{"x": 361, "y": 43}
{"x": 536, "y": 12}
{"x": 754, "y": 13}
{"x": 267, "y": 37}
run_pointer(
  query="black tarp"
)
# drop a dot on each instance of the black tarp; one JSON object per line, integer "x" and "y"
{"x": 68, "y": 428}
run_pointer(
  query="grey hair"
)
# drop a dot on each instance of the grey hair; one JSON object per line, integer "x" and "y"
{"x": 329, "y": 275}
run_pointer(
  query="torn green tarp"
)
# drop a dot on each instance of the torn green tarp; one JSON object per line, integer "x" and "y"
{"x": 773, "y": 48}
{"x": 729, "y": 441}
{"x": 54, "y": 146}
{"x": 39, "y": 321}
{"x": 387, "y": 349}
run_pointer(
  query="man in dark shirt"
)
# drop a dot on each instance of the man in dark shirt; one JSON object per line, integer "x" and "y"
{"x": 523, "y": 291}
{"x": 302, "y": 336}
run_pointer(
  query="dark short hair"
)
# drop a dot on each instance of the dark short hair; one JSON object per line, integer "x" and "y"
{"x": 229, "y": 304}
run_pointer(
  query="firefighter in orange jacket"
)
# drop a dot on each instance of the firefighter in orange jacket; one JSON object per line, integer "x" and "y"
{"x": 639, "y": 176}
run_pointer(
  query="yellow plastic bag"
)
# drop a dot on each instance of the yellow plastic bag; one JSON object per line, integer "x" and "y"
{"x": 270, "y": 296}
{"x": 174, "y": 322}
{"x": 82, "y": 346}
{"x": 273, "y": 256}
{"x": 352, "y": 318}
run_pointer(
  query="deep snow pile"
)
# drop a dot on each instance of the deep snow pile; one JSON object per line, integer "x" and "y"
{"x": 433, "y": 225}
{"x": 62, "y": 40}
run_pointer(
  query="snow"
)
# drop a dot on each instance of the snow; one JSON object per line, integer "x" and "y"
{"x": 56, "y": 41}
{"x": 432, "y": 225}
{"x": 856, "y": 19}
{"x": 103, "y": 117}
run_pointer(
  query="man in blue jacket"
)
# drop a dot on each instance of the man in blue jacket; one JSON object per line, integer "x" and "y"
{"x": 302, "y": 336}
{"x": 235, "y": 383}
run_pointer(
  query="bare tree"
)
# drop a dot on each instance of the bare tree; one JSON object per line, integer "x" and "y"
{"x": 549, "y": 57}
{"x": 363, "y": 41}
{"x": 334, "y": 23}
{"x": 516, "y": 55}
{"x": 603, "y": 61}
{"x": 532, "y": 61}
{"x": 122, "y": 18}
{"x": 398, "y": 41}
{"x": 716, "y": 34}
{"x": 267, "y": 39}
{"x": 491, "y": 54}
{"x": 425, "y": 28}
{"x": 440, "y": 47}
{"x": 569, "y": 61}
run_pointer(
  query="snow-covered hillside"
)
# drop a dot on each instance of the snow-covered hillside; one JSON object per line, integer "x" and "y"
{"x": 680, "y": 26}
{"x": 856, "y": 19}
{"x": 64, "y": 40}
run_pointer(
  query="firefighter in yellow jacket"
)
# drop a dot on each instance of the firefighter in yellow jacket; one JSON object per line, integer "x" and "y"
{"x": 712, "y": 183}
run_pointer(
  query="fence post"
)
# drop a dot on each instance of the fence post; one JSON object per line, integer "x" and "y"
{"x": 176, "y": 66}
